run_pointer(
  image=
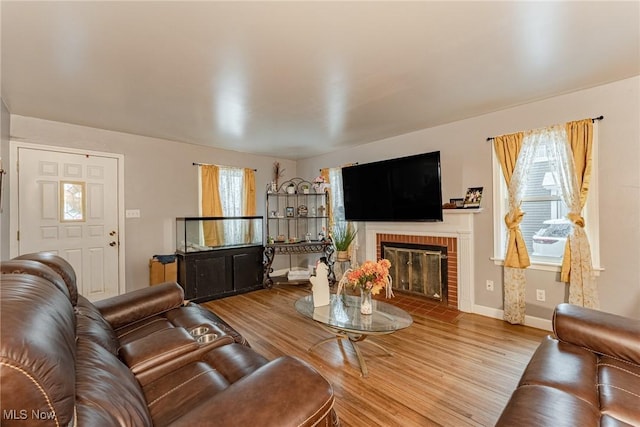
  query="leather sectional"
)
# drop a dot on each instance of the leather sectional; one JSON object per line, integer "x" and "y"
{"x": 587, "y": 374}
{"x": 140, "y": 359}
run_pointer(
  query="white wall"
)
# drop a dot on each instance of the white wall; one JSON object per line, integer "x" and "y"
{"x": 160, "y": 180}
{"x": 466, "y": 162}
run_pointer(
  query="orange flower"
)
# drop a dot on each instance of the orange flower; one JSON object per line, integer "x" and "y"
{"x": 373, "y": 276}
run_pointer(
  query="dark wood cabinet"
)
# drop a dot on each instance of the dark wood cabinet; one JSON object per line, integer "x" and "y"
{"x": 218, "y": 273}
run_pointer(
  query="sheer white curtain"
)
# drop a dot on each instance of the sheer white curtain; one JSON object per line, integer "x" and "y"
{"x": 337, "y": 208}
{"x": 536, "y": 143}
{"x": 337, "y": 197}
{"x": 582, "y": 283}
{"x": 230, "y": 189}
{"x": 514, "y": 278}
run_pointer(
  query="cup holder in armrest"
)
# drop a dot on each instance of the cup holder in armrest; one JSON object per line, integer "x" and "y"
{"x": 199, "y": 331}
{"x": 206, "y": 338}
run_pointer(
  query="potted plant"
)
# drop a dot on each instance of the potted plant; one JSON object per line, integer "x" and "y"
{"x": 344, "y": 233}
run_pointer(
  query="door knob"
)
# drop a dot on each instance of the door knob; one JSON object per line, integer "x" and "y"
{"x": 112, "y": 233}
{"x": 112, "y": 243}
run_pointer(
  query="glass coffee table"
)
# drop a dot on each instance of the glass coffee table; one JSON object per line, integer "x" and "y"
{"x": 343, "y": 319}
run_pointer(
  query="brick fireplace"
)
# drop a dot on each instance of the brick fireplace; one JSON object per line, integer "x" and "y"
{"x": 455, "y": 232}
{"x": 452, "y": 257}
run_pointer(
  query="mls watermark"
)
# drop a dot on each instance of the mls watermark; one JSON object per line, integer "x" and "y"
{"x": 24, "y": 414}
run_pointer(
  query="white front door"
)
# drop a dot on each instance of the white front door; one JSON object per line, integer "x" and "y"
{"x": 68, "y": 205}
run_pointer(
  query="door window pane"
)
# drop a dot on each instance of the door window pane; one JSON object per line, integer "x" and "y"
{"x": 72, "y": 195}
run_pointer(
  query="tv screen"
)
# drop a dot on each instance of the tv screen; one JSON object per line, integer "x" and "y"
{"x": 402, "y": 189}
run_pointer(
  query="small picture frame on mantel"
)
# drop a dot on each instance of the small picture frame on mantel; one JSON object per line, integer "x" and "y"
{"x": 473, "y": 197}
{"x": 459, "y": 203}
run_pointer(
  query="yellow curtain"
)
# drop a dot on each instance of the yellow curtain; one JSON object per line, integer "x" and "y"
{"x": 324, "y": 172}
{"x": 580, "y": 136}
{"x": 507, "y": 148}
{"x": 249, "y": 193}
{"x": 249, "y": 201}
{"x": 211, "y": 205}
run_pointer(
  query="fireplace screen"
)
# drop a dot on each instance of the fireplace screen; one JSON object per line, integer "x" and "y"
{"x": 416, "y": 270}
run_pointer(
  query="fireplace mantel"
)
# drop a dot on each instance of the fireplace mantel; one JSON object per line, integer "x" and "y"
{"x": 458, "y": 224}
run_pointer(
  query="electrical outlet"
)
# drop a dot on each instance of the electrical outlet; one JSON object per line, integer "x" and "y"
{"x": 132, "y": 213}
{"x": 540, "y": 295}
{"x": 490, "y": 285}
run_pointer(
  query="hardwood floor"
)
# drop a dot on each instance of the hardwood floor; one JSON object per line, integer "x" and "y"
{"x": 452, "y": 371}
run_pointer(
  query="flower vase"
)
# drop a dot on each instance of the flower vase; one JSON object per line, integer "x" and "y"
{"x": 366, "y": 305}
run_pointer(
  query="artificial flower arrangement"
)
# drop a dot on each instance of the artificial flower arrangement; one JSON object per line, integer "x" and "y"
{"x": 369, "y": 277}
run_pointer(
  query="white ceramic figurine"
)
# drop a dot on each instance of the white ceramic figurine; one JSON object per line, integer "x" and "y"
{"x": 320, "y": 285}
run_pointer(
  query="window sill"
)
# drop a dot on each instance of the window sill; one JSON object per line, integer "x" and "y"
{"x": 545, "y": 266}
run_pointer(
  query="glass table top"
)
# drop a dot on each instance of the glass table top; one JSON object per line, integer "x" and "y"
{"x": 343, "y": 313}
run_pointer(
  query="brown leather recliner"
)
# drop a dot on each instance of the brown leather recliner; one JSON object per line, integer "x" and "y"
{"x": 587, "y": 374}
{"x": 132, "y": 361}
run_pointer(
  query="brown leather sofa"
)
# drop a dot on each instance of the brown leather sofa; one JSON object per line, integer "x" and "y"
{"x": 587, "y": 374}
{"x": 140, "y": 359}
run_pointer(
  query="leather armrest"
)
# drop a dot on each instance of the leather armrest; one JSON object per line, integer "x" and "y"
{"x": 157, "y": 370}
{"x": 601, "y": 332}
{"x": 157, "y": 348}
{"x": 140, "y": 304}
{"x": 284, "y": 392}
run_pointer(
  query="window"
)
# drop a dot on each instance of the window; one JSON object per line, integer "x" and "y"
{"x": 544, "y": 226}
{"x": 72, "y": 201}
{"x": 224, "y": 192}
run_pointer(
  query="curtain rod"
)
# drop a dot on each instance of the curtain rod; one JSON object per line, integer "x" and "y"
{"x": 343, "y": 166}
{"x": 491, "y": 138}
{"x": 221, "y": 166}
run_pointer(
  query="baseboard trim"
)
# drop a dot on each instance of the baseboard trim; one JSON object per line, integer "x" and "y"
{"x": 534, "y": 322}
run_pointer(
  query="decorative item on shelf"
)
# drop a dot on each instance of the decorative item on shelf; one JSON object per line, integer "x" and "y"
{"x": 277, "y": 174}
{"x": 454, "y": 204}
{"x": 280, "y": 238}
{"x": 321, "y": 210}
{"x": 291, "y": 188}
{"x": 344, "y": 233}
{"x": 302, "y": 210}
{"x": 305, "y": 188}
{"x": 312, "y": 211}
{"x": 473, "y": 197}
{"x": 320, "y": 184}
{"x": 320, "y": 284}
{"x": 289, "y": 211}
{"x": 321, "y": 235}
{"x": 371, "y": 277}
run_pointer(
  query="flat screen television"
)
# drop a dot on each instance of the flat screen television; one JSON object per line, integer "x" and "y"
{"x": 402, "y": 189}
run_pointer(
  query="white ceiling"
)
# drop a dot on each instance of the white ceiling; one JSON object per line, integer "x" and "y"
{"x": 297, "y": 79}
